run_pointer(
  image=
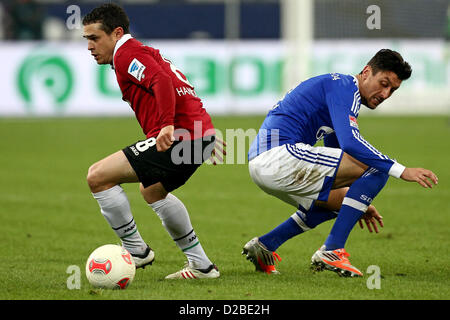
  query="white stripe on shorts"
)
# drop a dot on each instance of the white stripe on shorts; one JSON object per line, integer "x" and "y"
{"x": 312, "y": 157}
{"x": 355, "y": 204}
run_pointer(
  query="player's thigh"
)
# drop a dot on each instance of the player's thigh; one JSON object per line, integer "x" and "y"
{"x": 112, "y": 170}
{"x": 162, "y": 172}
{"x": 348, "y": 171}
{"x": 297, "y": 174}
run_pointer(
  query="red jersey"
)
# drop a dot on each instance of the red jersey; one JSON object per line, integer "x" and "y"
{"x": 159, "y": 94}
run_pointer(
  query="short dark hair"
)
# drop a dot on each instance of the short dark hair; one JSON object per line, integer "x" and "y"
{"x": 389, "y": 60}
{"x": 110, "y": 15}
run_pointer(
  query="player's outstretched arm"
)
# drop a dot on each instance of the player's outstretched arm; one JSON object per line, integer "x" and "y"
{"x": 424, "y": 177}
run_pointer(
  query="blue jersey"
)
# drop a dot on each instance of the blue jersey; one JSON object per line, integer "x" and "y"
{"x": 323, "y": 107}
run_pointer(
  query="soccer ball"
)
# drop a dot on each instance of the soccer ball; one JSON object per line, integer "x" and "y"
{"x": 110, "y": 267}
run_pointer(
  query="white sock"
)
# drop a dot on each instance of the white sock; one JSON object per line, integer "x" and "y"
{"x": 175, "y": 219}
{"x": 115, "y": 207}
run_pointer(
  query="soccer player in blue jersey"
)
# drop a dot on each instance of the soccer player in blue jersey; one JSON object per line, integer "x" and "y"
{"x": 340, "y": 179}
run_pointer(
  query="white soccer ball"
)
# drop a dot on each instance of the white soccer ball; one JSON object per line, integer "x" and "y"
{"x": 110, "y": 267}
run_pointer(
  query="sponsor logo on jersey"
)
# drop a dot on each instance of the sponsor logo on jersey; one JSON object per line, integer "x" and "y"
{"x": 136, "y": 69}
{"x": 181, "y": 91}
{"x": 323, "y": 131}
{"x": 353, "y": 122}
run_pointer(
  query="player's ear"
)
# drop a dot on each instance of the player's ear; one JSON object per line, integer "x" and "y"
{"x": 366, "y": 72}
{"x": 118, "y": 32}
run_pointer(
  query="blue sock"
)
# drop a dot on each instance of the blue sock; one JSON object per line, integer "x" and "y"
{"x": 298, "y": 223}
{"x": 281, "y": 234}
{"x": 358, "y": 198}
{"x": 317, "y": 215}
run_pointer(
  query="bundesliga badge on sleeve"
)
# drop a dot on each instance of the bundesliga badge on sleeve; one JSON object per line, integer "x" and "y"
{"x": 136, "y": 69}
{"x": 353, "y": 122}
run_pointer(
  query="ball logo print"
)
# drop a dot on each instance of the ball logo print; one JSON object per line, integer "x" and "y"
{"x": 103, "y": 266}
{"x": 48, "y": 73}
{"x": 123, "y": 283}
{"x": 127, "y": 257}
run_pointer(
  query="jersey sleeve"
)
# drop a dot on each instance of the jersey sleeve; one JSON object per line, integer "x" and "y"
{"x": 343, "y": 104}
{"x": 141, "y": 69}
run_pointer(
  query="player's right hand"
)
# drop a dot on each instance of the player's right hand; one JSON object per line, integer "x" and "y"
{"x": 165, "y": 138}
{"x": 424, "y": 177}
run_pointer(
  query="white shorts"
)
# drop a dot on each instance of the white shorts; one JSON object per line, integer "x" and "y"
{"x": 297, "y": 173}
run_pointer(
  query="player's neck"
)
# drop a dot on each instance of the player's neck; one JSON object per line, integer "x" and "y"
{"x": 358, "y": 77}
{"x": 119, "y": 43}
{"x": 358, "y": 84}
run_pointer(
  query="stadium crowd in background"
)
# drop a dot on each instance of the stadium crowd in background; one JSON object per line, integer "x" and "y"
{"x": 22, "y": 20}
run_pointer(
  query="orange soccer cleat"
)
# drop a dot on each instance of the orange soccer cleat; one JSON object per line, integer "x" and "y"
{"x": 263, "y": 259}
{"x": 334, "y": 260}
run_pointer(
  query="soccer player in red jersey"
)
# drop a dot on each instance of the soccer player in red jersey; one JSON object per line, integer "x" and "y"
{"x": 180, "y": 137}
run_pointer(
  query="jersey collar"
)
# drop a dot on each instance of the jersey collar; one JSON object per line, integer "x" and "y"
{"x": 119, "y": 43}
{"x": 355, "y": 80}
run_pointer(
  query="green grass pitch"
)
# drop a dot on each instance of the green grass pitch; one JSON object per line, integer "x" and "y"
{"x": 51, "y": 222}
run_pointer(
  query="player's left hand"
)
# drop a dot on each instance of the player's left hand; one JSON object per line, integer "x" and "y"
{"x": 165, "y": 138}
{"x": 426, "y": 178}
{"x": 371, "y": 217}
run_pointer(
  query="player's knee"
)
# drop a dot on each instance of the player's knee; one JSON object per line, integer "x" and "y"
{"x": 94, "y": 178}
